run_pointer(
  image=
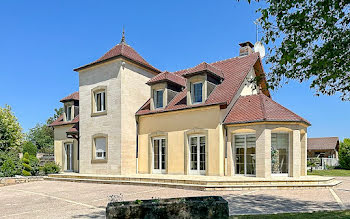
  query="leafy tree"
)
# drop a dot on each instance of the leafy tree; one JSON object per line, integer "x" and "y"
{"x": 308, "y": 40}
{"x": 30, "y": 148}
{"x": 344, "y": 154}
{"x": 42, "y": 135}
{"x": 11, "y": 135}
{"x": 27, "y": 167}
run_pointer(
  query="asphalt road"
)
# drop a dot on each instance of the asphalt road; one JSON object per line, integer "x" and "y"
{"x": 50, "y": 199}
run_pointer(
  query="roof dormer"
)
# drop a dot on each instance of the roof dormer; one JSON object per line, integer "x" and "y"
{"x": 201, "y": 81}
{"x": 164, "y": 87}
{"x": 71, "y": 106}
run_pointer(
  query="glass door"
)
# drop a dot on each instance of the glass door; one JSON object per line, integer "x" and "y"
{"x": 159, "y": 155}
{"x": 69, "y": 156}
{"x": 245, "y": 154}
{"x": 279, "y": 153}
{"x": 197, "y": 155}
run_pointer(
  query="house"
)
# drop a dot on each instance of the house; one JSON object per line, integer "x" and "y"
{"x": 326, "y": 147}
{"x": 212, "y": 119}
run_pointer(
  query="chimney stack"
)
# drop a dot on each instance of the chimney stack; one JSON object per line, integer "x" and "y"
{"x": 246, "y": 48}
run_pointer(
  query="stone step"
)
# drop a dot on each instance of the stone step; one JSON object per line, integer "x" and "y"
{"x": 329, "y": 183}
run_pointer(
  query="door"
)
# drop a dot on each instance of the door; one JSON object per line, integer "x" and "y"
{"x": 159, "y": 155}
{"x": 69, "y": 156}
{"x": 280, "y": 154}
{"x": 197, "y": 155}
{"x": 245, "y": 162}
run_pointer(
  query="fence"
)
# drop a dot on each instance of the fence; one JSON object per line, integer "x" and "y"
{"x": 324, "y": 163}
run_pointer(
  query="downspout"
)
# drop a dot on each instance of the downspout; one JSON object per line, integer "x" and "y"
{"x": 137, "y": 145}
{"x": 226, "y": 168}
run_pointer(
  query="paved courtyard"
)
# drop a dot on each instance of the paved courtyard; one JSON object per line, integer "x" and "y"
{"x": 50, "y": 199}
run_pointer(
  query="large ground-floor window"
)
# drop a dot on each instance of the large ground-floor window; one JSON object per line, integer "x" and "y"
{"x": 245, "y": 162}
{"x": 197, "y": 154}
{"x": 159, "y": 155}
{"x": 279, "y": 153}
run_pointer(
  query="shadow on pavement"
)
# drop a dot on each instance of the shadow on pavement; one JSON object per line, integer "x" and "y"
{"x": 96, "y": 214}
{"x": 267, "y": 204}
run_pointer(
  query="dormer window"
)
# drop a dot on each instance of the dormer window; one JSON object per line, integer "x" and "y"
{"x": 197, "y": 92}
{"x": 68, "y": 112}
{"x": 100, "y": 101}
{"x": 158, "y": 98}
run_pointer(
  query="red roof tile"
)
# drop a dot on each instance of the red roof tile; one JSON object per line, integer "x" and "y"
{"x": 326, "y": 143}
{"x": 167, "y": 76}
{"x": 204, "y": 67}
{"x": 234, "y": 71}
{"x": 259, "y": 108}
{"x": 74, "y": 129}
{"x": 60, "y": 121}
{"x": 122, "y": 50}
{"x": 73, "y": 96}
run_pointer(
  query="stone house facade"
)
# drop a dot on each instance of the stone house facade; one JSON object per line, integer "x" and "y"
{"x": 213, "y": 119}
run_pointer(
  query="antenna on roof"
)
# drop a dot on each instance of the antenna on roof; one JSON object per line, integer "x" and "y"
{"x": 258, "y": 46}
{"x": 123, "y": 36}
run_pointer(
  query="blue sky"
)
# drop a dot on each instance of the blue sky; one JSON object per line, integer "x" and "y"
{"x": 42, "y": 41}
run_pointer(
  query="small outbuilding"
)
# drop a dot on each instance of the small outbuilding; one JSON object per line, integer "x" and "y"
{"x": 326, "y": 147}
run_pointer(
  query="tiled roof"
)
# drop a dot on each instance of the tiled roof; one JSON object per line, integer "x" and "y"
{"x": 73, "y": 96}
{"x": 60, "y": 121}
{"x": 234, "y": 71}
{"x": 167, "y": 76}
{"x": 74, "y": 129}
{"x": 204, "y": 67}
{"x": 122, "y": 50}
{"x": 327, "y": 143}
{"x": 259, "y": 108}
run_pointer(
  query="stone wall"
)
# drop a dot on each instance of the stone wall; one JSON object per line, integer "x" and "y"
{"x": 5, "y": 181}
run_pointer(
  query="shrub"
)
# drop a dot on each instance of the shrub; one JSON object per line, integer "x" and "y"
{"x": 344, "y": 154}
{"x": 30, "y": 148}
{"x": 51, "y": 167}
{"x": 10, "y": 164}
{"x": 27, "y": 167}
{"x": 8, "y": 168}
{"x": 34, "y": 164}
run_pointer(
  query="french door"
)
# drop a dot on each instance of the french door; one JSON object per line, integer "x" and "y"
{"x": 245, "y": 154}
{"x": 197, "y": 155}
{"x": 69, "y": 156}
{"x": 159, "y": 155}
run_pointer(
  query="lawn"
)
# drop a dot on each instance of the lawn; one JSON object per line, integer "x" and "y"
{"x": 314, "y": 215}
{"x": 334, "y": 172}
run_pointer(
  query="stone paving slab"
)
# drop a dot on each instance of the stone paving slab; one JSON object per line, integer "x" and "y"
{"x": 53, "y": 199}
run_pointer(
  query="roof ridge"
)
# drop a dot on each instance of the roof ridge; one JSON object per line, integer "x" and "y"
{"x": 262, "y": 105}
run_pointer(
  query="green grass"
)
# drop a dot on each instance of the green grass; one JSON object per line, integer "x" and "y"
{"x": 314, "y": 215}
{"x": 334, "y": 172}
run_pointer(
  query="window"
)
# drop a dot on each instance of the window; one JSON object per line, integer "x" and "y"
{"x": 245, "y": 154}
{"x": 100, "y": 148}
{"x": 159, "y": 155}
{"x": 68, "y": 111}
{"x": 100, "y": 101}
{"x": 197, "y": 92}
{"x": 279, "y": 153}
{"x": 197, "y": 154}
{"x": 158, "y": 97}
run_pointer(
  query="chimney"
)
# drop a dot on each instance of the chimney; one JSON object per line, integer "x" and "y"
{"x": 246, "y": 48}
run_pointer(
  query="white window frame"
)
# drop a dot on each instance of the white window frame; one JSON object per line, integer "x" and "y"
{"x": 103, "y": 104}
{"x": 245, "y": 153}
{"x": 156, "y": 99}
{"x": 68, "y": 108}
{"x": 193, "y": 93}
{"x": 70, "y": 146}
{"x": 198, "y": 171}
{"x": 104, "y": 152}
{"x": 160, "y": 170}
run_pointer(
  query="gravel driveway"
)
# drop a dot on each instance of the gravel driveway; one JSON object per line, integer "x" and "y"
{"x": 50, "y": 199}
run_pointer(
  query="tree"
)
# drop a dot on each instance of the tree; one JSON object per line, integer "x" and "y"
{"x": 42, "y": 135}
{"x": 30, "y": 148}
{"x": 344, "y": 154}
{"x": 308, "y": 40}
{"x": 27, "y": 167}
{"x": 11, "y": 135}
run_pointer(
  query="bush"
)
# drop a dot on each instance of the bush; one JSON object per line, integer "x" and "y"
{"x": 30, "y": 148}
{"x": 8, "y": 168}
{"x": 51, "y": 167}
{"x": 10, "y": 164}
{"x": 34, "y": 164}
{"x": 344, "y": 154}
{"x": 27, "y": 167}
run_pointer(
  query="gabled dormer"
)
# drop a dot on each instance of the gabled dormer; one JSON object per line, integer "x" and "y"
{"x": 71, "y": 107}
{"x": 201, "y": 81}
{"x": 164, "y": 87}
